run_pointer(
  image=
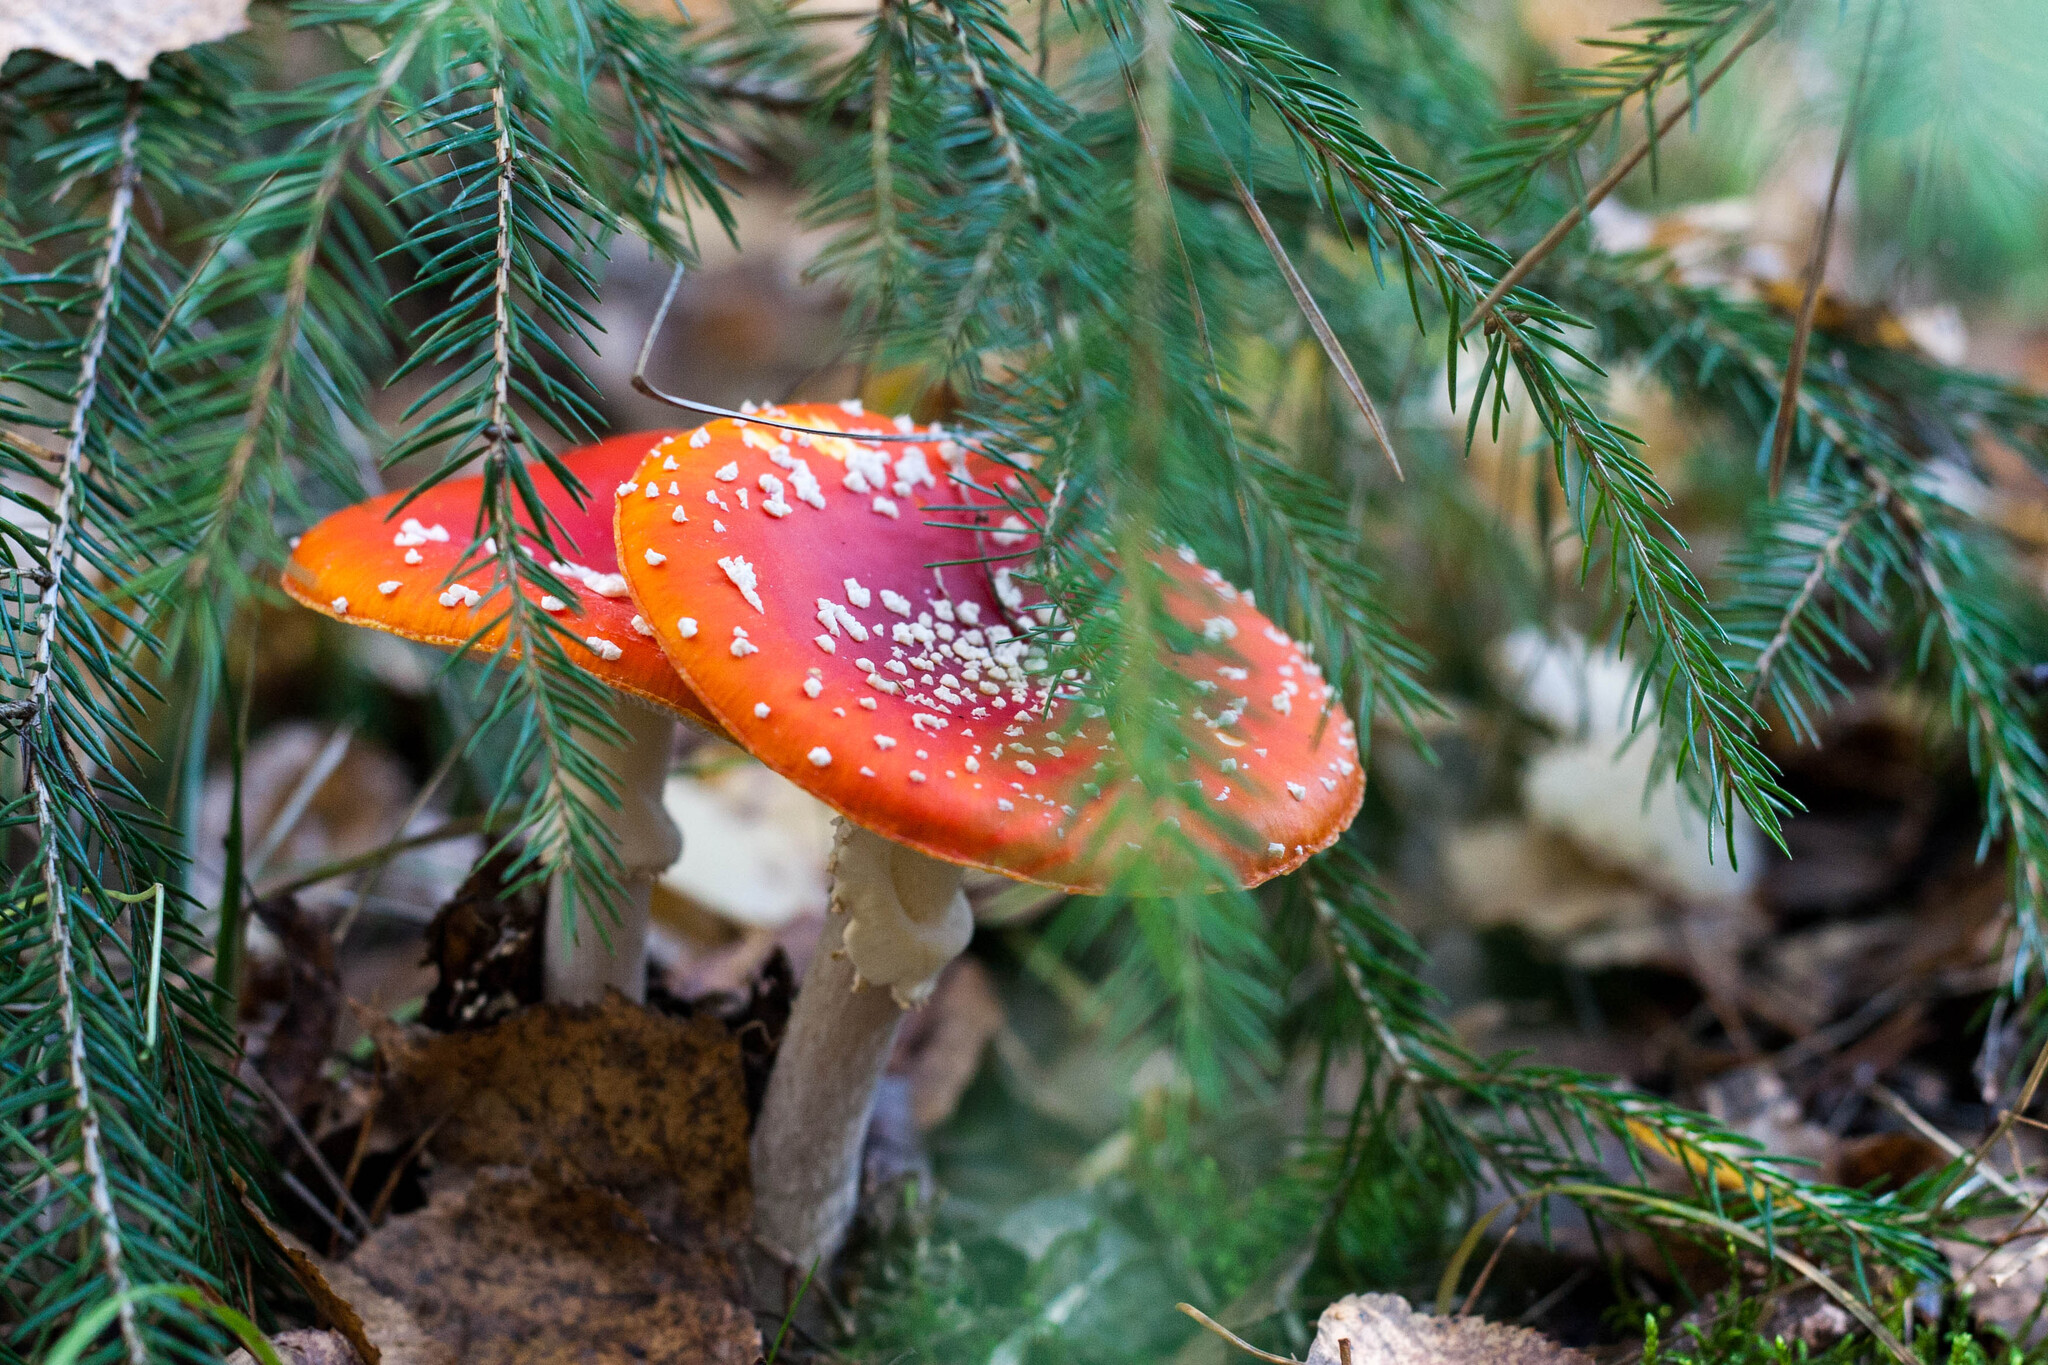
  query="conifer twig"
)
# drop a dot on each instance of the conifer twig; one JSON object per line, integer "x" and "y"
{"x": 1816, "y": 268}
{"x": 63, "y": 547}
{"x": 1340, "y": 360}
{"x": 1607, "y": 183}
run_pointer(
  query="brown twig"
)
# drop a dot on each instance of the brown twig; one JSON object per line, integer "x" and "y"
{"x": 1619, "y": 172}
{"x": 306, "y": 1144}
{"x": 362, "y": 1146}
{"x": 453, "y": 829}
{"x": 1486, "y": 1271}
{"x": 412, "y": 1154}
{"x": 1816, "y": 267}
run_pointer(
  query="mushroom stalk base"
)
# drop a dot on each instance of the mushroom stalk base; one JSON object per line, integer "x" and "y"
{"x": 898, "y": 918}
{"x": 583, "y": 960}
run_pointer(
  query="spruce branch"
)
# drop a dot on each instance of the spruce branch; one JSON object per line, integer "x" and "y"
{"x": 127, "y": 1135}
{"x": 1822, "y": 560}
{"x": 1614, "y": 496}
{"x": 61, "y": 564}
{"x": 1648, "y": 54}
{"x": 336, "y": 141}
{"x": 1608, "y": 183}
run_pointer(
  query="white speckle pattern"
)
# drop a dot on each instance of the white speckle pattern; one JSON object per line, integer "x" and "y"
{"x": 603, "y": 648}
{"x": 856, "y": 594}
{"x": 741, "y": 645}
{"x": 760, "y": 710}
{"x": 700, "y": 438}
{"x": 886, "y": 507}
{"x": 389, "y": 586}
{"x": 742, "y": 575}
{"x": 1276, "y": 849}
{"x": 640, "y": 627}
{"x": 341, "y": 606}
{"x": 820, "y": 757}
{"x": 896, "y": 602}
{"x": 826, "y": 643}
{"x": 1297, "y": 791}
{"x": 655, "y": 558}
{"x": 679, "y": 515}
{"x": 812, "y": 688}
{"x": 686, "y": 626}
{"x": 727, "y": 472}
{"x": 1217, "y": 629}
{"x": 414, "y": 557}
{"x": 550, "y": 602}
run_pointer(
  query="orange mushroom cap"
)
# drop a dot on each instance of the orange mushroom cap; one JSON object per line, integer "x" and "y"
{"x": 811, "y": 590}
{"x": 364, "y": 566}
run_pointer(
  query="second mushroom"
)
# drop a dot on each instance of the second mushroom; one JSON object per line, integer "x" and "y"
{"x": 391, "y": 563}
{"x": 833, "y": 608}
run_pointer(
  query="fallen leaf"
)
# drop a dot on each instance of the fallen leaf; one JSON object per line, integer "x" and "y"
{"x": 516, "y": 1270}
{"x": 388, "y": 1324}
{"x": 125, "y": 34}
{"x": 942, "y": 1042}
{"x": 648, "y": 1106}
{"x": 1754, "y": 1102}
{"x": 307, "y": 1346}
{"x": 377, "y": 1330}
{"x": 1381, "y": 1329}
{"x": 757, "y": 849}
{"x": 296, "y": 998}
{"x": 485, "y": 948}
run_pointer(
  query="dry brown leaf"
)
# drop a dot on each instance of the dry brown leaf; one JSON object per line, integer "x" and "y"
{"x": 515, "y": 1270}
{"x": 646, "y": 1105}
{"x": 125, "y": 34}
{"x": 307, "y": 1346}
{"x": 387, "y": 1323}
{"x": 1381, "y": 1329}
{"x": 941, "y": 1044}
{"x": 485, "y": 948}
{"x": 377, "y": 1330}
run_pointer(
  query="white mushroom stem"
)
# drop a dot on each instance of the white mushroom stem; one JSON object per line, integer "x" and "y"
{"x": 898, "y": 917}
{"x": 582, "y": 958}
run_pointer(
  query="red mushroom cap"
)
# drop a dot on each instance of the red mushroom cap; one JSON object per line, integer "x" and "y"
{"x": 810, "y": 590}
{"x": 364, "y": 567}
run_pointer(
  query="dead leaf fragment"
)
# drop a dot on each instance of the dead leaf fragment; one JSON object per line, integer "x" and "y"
{"x": 648, "y": 1106}
{"x": 307, "y": 1346}
{"x": 125, "y": 34}
{"x": 514, "y": 1270}
{"x": 485, "y": 948}
{"x": 1381, "y": 1329}
{"x": 377, "y": 1330}
{"x": 941, "y": 1044}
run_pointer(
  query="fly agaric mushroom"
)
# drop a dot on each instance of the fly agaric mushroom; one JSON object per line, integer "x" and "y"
{"x": 812, "y": 590}
{"x": 371, "y": 565}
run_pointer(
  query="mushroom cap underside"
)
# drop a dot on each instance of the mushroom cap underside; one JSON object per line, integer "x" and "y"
{"x": 845, "y": 611}
{"x": 394, "y": 571}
